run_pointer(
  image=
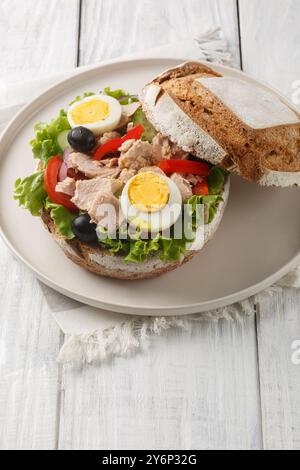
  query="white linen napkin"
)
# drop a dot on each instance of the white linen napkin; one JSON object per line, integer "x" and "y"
{"x": 93, "y": 335}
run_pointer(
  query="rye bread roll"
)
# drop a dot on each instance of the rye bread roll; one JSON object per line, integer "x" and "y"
{"x": 228, "y": 121}
{"x": 101, "y": 261}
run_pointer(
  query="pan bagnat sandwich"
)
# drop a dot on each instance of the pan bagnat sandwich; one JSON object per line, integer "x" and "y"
{"x": 132, "y": 188}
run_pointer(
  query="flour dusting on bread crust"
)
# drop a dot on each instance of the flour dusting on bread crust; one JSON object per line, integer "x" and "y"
{"x": 255, "y": 106}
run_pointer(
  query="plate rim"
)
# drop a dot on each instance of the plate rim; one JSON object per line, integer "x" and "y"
{"x": 185, "y": 309}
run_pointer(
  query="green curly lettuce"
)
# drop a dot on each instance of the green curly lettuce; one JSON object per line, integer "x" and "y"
{"x": 139, "y": 251}
{"x": 172, "y": 249}
{"x": 211, "y": 204}
{"x": 45, "y": 144}
{"x": 87, "y": 94}
{"x": 121, "y": 95}
{"x": 30, "y": 193}
{"x": 62, "y": 218}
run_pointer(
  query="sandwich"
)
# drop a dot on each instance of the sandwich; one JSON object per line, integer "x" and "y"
{"x": 134, "y": 187}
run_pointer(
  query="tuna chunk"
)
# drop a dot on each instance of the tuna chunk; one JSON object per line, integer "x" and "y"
{"x": 84, "y": 163}
{"x": 88, "y": 191}
{"x": 135, "y": 155}
{"x": 126, "y": 146}
{"x": 183, "y": 185}
{"x": 66, "y": 187}
{"x": 91, "y": 168}
{"x": 107, "y": 136}
{"x": 105, "y": 211}
{"x": 193, "y": 179}
{"x": 107, "y": 172}
{"x": 110, "y": 162}
{"x": 126, "y": 175}
{"x": 164, "y": 149}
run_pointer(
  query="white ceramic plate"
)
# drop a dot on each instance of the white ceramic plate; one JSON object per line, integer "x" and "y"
{"x": 258, "y": 241}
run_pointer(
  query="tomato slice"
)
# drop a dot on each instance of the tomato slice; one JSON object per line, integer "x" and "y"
{"x": 114, "y": 145}
{"x": 50, "y": 182}
{"x": 185, "y": 167}
{"x": 201, "y": 189}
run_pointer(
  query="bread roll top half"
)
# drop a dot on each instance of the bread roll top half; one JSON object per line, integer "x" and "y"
{"x": 229, "y": 121}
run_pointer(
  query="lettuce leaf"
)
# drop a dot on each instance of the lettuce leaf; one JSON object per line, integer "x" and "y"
{"x": 141, "y": 250}
{"x": 62, "y": 218}
{"x": 171, "y": 249}
{"x": 134, "y": 251}
{"x": 121, "y": 95}
{"x": 216, "y": 180}
{"x": 30, "y": 192}
{"x": 139, "y": 117}
{"x": 115, "y": 246}
{"x": 87, "y": 94}
{"x": 138, "y": 251}
{"x": 45, "y": 144}
{"x": 211, "y": 204}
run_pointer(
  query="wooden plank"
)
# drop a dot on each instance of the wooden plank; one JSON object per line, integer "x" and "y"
{"x": 29, "y": 344}
{"x": 278, "y": 338}
{"x": 187, "y": 390}
{"x": 126, "y": 27}
{"x": 270, "y": 38}
{"x": 269, "y": 45}
{"x": 38, "y": 38}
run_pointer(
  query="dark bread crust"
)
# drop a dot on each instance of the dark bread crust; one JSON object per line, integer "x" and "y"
{"x": 80, "y": 253}
{"x": 191, "y": 69}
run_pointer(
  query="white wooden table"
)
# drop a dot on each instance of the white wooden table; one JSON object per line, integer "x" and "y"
{"x": 230, "y": 385}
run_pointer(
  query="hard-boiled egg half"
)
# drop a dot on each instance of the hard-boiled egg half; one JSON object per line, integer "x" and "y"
{"x": 98, "y": 113}
{"x": 151, "y": 202}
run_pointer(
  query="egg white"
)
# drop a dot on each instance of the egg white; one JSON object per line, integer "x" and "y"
{"x": 154, "y": 221}
{"x": 110, "y": 123}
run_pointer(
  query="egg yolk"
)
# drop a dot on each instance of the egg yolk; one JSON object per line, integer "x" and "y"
{"x": 148, "y": 192}
{"x": 90, "y": 112}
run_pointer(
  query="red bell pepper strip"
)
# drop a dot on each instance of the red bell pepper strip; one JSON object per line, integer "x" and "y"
{"x": 185, "y": 167}
{"x": 201, "y": 189}
{"x": 50, "y": 182}
{"x": 114, "y": 145}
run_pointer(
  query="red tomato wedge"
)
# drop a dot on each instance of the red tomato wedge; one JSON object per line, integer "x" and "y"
{"x": 50, "y": 182}
{"x": 201, "y": 189}
{"x": 185, "y": 167}
{"x": 114, "y": 145}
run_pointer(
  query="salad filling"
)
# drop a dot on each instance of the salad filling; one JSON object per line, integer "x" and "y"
{"x": 103, "y": 169}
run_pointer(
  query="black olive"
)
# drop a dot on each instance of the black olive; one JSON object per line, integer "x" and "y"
{"x": 83, "y": 229}
{"x": 82, "y": 139}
